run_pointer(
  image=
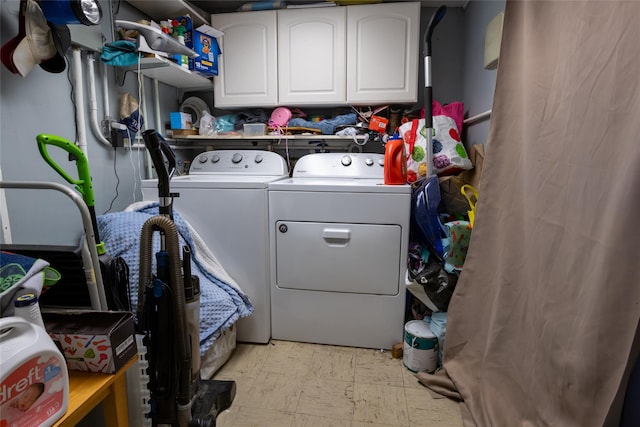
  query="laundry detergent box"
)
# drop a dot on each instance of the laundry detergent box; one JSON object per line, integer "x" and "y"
{"x": 94, "y": 341}
{"x": 203, "y": 41}
{"x": 208, "y": 50}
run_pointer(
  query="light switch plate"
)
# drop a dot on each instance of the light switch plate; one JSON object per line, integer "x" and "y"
{"x": 492, "y": 39}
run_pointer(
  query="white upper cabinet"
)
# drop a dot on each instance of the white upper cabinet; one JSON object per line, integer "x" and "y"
{"x": 383, "y": 52}
{"x": 361, "y": 54}
{"x": 311, "y": 56}
{"x": 247, "y": 67}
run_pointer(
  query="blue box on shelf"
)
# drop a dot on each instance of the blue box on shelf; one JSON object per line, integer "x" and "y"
{"x": 203, "y": 41}
{"x": 180, "y": 120}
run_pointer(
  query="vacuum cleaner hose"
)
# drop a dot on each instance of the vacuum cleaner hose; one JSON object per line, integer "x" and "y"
{"x": 170, "y": 231}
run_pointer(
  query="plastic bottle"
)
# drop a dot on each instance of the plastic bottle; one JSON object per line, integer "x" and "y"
{"x": 183, "y": 60}
{"x": 33, "y": 375}
{"x": 395, "y": 161}
{"x": 27, "y": 307}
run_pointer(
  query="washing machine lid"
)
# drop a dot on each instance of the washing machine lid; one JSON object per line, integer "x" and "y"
{"x": 338, "y": 185}
{"x": 216, "y": 181}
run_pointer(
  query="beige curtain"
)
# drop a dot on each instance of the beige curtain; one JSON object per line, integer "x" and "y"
{"x": 541, "y": 326}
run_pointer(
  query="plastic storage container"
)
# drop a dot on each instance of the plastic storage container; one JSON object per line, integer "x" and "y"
{"x": 254, "y": 129}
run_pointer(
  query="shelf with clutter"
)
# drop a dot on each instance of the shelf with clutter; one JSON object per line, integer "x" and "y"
{"x": 172, "y": 52}
{"x": 311, "y": 143}
{"x": 285, "y": 128}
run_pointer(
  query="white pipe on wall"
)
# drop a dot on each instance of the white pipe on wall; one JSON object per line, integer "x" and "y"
{"x": 156, "y": 106}
{"x": 477, "y": 118}
{"x": 143, "y": 109}
{"x": 93, "y": 107}
{"x": 106, "y": 108}
{"x": 4, "y": 216}
{"x": 79, "y": 99}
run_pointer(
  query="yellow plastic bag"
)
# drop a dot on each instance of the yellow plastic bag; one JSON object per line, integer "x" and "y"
{"x": 471, "y": 194}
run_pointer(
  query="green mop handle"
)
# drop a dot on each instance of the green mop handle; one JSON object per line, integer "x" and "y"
{"x": 83, "y": 183}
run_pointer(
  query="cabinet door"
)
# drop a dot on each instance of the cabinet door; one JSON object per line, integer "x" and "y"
{"x": 311, "y": 56}
{"x": 248, "y": 64}
{"x": 383, "y": 41}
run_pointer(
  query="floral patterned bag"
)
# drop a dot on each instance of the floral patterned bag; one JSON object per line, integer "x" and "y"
{"x": 449, "y": 155}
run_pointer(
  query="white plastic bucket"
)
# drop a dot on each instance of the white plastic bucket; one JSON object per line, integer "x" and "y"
{"x": 420, "y": 349}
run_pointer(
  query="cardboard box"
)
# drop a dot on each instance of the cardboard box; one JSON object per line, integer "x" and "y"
{"x": 95, "y": 341}
{"x": 203, "y": 41}
{"x": 452, "y": 199}
{"x": 180, "y": 120}
{"x": 208, "y": 50}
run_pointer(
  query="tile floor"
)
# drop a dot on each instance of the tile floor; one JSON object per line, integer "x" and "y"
{"x": 290, "y": 384}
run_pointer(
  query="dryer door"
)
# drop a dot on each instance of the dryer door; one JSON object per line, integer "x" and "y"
{"x": 334, "y": 257}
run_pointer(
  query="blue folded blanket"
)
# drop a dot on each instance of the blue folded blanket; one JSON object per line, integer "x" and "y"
{"x": 327, "y": 126}
{"x": 221, "y": 304}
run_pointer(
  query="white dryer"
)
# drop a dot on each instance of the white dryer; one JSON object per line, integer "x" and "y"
{"x": 339, "y": 244}
{"x": 224, "y": 198}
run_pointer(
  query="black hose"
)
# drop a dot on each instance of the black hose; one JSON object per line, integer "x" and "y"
{"x": 158, "y": 151}
{"x": 435, "y": 19}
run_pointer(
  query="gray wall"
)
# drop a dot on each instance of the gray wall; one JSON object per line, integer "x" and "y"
{"x": 41, "y": 102}
{"x": 478, "y": 84}
{"x": 457, "y": 62}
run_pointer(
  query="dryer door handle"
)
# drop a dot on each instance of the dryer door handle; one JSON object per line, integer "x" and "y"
{"x": 336, "y": 234}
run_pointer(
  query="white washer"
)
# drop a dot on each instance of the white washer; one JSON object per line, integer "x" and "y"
{"x": 339, "y": 244}
{"x": 224, "y": 198}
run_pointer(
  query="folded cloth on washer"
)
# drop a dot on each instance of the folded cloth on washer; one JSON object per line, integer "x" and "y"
{"x": 222, "y": 302}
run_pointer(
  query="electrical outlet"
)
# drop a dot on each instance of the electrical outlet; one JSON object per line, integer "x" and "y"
{"x": 106, "y": 127}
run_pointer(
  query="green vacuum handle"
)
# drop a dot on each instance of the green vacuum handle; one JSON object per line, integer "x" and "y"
{"x": 83, "y": 183}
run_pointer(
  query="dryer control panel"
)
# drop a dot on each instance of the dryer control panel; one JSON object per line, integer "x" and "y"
{"x": 245, "y": 162}
{"x": 340, "y": 165}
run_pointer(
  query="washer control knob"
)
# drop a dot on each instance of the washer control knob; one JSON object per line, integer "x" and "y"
{"x": 203, "y": 158}
{"x": 215, "y": 158}
{"x": 237, "y": 158}
{"x": 381, "y": 162}
{"x": 368, "y": 161}
{"x": 346, "y": 161}
{"x": 258, "y": 158}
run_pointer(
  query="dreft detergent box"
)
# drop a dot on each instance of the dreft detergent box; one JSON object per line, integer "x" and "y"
{"x": 94, "y": 341}
{"x": 203, "y": 41}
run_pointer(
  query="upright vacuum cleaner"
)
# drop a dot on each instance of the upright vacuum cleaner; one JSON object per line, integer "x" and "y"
{"x": 168, "y": 315}
{"x": 428, "y": 91}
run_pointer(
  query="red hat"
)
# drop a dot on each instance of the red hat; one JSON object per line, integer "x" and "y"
{"x": 33, "y": 44}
